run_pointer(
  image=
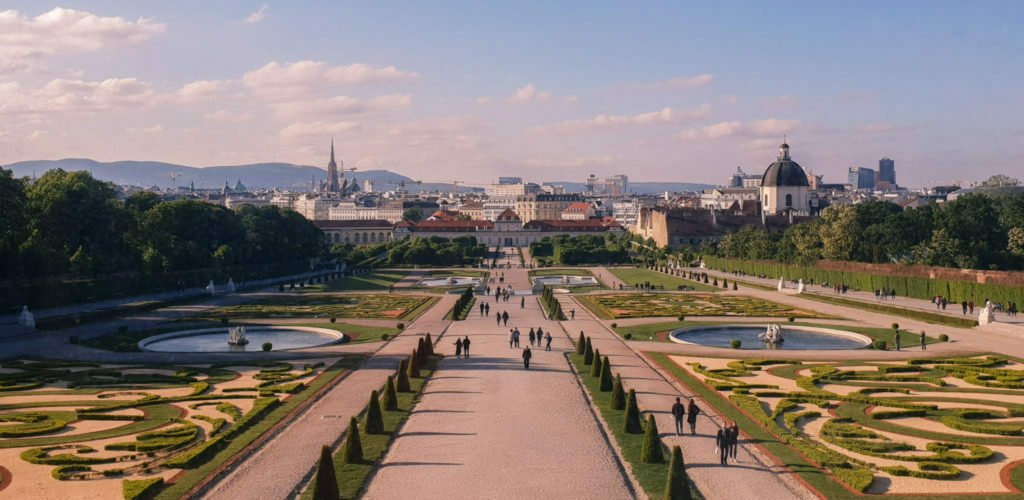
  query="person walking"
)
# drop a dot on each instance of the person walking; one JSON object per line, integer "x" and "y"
{"x": 481, "y": 309}
{"x": 533, "y": 336}
{"x": 691, "y": 416}
{"x": 504, "y": 317}
{"x": 465, "y": 346}
{"x": 522, "y": 302}
{"x": 678, "y": 411}
{"x": 734, "y": 440}
{"x": 511, "y": 336}
{"x": 487, "y": 309}
{"x": 722, "y": 446}
{"x": 547, "y": 347}
{"x": 527, "y": 354}
{"x": 458, "y": 348}
{"x": 923, "y": 347}
{"x": 515, "y": 338}
{"x": 540, "y": 335}
{"x": 896, "y": 340}
{"x": 498, "y": 317}
{"x": 572, "y": 314}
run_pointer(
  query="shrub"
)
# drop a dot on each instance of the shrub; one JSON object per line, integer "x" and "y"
{"x": 627, "y": 335}
{"x": 374, "y": 416}
{"x": 334, "y": 319}
{"x": 402, "y": 385}
{"x": 428, "y": 343}
{"x": 326, "y": 485}
{"x": 412, "y": 366}
{"x": 352, "y": 452}
{"x": 632, "y": 421}
{"x": 595, "y": 369}
{"x": 389, "y": 398}
{"x": 606, "y": 375}
{"x": 735, "y": 343}
{"x": 895, "y": 326}
{"x": 650, "y": 450}
{"x": 123, "y": 329}
{"x": 385, "y": 337}
{"x": 267, "y": 346}
{"x": 943, "y": 338}
{"x": 677, "y": 486}
{"x": 618, "y": 401}
{"x": 614, "y": 325}
{"x": 791, "y": 319}
{"x": 581, "y": 343}
{"x": 143, "y": 489}
{"x": 588, "y": 353}
{"x": 400, "y": 326}
{"x": 681, "y": 318}
{"x": 715, "y": 281}
{"x": 879, "y": 345}
{"x": 734, "y": 287}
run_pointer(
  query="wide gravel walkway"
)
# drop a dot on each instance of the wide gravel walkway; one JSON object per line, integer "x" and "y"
{"x": 488, "y": 428}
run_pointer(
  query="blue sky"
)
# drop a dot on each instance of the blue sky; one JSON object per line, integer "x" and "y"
{"x": 550, "y": 90}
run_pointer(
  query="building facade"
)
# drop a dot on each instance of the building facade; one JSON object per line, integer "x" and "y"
{"x": 544, "y": 206}
{"x": 784, "y": 186}
{"x": 861, "y": 178}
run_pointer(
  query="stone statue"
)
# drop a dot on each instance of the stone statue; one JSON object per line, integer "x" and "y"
{"x": 451, "y": 280}
{"x": 800, "y": 286}
{"x": 988, "y": 314}
{"x": 782, "y": 284}
{"x": 26, "y": 318}
{"x": 210, "y": 288}
{"x": 565, "y": 280}
{"x": 231, "y": 285}
{"x": 236, "y": 336}
{"x": 771, "y": 335}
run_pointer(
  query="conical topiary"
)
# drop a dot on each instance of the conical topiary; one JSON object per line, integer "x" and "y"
{"x": 581, "y": 344}
{"x": 421, "y": 351}
{"x": 389, "y": 399}
{"x": 326, "y": 485}
{"x": 632, "y": 423}
{"x": 374, "y": 416}
{"x": 595, "y": 369}
{"x": 402, "y": 384}
{"x": 352, "y": 451}
{"x": 650, "y": 450}
{"x": 618, "y": 394}
{"x": 413, "y": 370}
{"x": 588, "y": 353}
{"x": 606, "y": 375}
{"x": 429, "y": 344}
{"x": 677, "y": 487}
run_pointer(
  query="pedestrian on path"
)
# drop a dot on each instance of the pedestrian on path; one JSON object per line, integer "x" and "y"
{"x": 572, "y": 314}
{"x": 487, "y": 309}
{"x": 678, "y": 411}
{"x": 540, "y": 335}
{"x": 533, "y": 336}
{"x": 504, "y": 317}
{"x": 691, "y": 416}
{"x": 465, "y": 346}
{"x": 481, "y": 309}
{"x": 722, "y": 446}
{"x": 896, "y": 340}
{"x": 734, "y": 440}
{"x": 498, "y": 317}
{"x": 511, "y": 337}
{"x": 547, "y": 347}
{"x": 923, "y": 347}
{"x": 458, "y": 348}
{"x": 522, "y": 303}
{"x": 515, "y": 338}
{"x": 527, "y": 354}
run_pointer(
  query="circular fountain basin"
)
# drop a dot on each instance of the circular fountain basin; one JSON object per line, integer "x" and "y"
{"x": 216, "y": 339}
{"x": 570, "y": 280}
{"x": 453, "y": 281}
{"x": 796, "y": 337}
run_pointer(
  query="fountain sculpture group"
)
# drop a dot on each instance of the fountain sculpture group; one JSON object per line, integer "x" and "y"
{"x": 772, "y": 335}
{"x": 236, "y": 336}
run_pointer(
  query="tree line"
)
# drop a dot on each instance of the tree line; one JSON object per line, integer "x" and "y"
{"x": 975, "y": 231}
{"x": 432, "y": 251}
{"x": 71, "y": 223}
{"x": 584, "y": 249}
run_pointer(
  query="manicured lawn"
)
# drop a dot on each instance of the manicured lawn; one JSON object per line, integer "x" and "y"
{"x": 376, "y": 280}
{"x": 632, "y": 276}
{"x": 361, "y": 333}
{"x": 369, "y": 306}
{"x": 562, "y": 271}
{"x": 650, "y": 476}
{"x": 128, "y": 340}
{"x": 444, "y": 273}
{"x": 643, "y": 305}
{"x": 938, "y": 319}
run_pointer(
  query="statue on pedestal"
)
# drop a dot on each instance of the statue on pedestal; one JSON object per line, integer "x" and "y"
{"x": 26, "y": 318}
{"x": 987, "y": 315}
{"x": 800, "y": 286}
{"x": 782, "y": 284}
{"x": 210, "y": 288}
{"x": 231, "y": 285}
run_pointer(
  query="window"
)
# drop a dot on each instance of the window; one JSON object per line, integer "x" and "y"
{"x": 766, "y": 200}
{"x": 789, "y": 200}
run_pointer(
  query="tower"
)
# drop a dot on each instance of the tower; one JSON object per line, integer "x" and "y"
{"x": 333, "y": 184}
{"x": 784, "y": 185}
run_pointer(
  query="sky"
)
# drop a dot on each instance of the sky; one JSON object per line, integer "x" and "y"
{"x": 447, "y": 91}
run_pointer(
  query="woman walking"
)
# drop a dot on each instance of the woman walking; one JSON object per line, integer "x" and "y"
{"x": 691, "y": 416}
{"x": 458, "y": 348}
{"x": 547, "y": 347}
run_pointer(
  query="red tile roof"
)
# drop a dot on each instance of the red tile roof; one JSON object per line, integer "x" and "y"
{"x": 508, "y": 215}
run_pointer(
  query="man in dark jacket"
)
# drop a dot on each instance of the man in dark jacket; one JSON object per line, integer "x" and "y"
{"x": 691, "y": 417}
{"x": 527, "y": 354}
{"x": 465, "y": 346}
{"x": 722, "y": 445}
{"x": 678, "y": 411}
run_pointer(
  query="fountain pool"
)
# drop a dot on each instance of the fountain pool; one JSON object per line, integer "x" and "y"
{"x": 797, "y": 337}
{"x": 216, "y": 339}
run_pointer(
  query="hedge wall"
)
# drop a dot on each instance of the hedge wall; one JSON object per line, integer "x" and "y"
{"x": 905, "y": 286}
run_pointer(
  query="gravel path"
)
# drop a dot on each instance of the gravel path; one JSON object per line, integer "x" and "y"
{"x": 488, "y": 428}
{"x": 282, "y": 467}
{"x": 752, "y": 476}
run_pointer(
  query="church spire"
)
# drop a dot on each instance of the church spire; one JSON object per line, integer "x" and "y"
{"x": 332, "y": 150}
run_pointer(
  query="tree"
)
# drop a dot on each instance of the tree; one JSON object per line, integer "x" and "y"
{"x": 389, "y": 400}
{"x": 618, "y": 400}
{"x": 588, "y": 353}
{"x": 374, "y": 416}
{"x": 13, "y": 221}
{"x": 326, "y": 485}
{"x": 414, "y": 214}
{"x": 1016, "y": 242}
{"x": 677, "y": 485}
{"x": 413, "y": 366}
{"x": 352, "y": 451}
{"x": 650, "y": 450}
{"x": 141, "y": 201}
{"x": 595, "y": 368}
{"x": 581, "y": 343}
{"x": 632, "y": 422}
{"x": 606, "y": 375}
{"x": 402, "y": 385}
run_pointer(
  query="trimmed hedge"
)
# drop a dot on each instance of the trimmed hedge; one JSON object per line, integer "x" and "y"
{"x": 200, "y": 454}
{"x": 143, "y": 489}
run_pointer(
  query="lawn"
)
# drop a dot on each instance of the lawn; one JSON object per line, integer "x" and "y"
{"x": 643, "y": 305}
{"x": 889, "y": 397}
{"x": 469, "y": 273}
{"x": 359, "y": 333}
{"x": 366, "y": 306}
{"x": 376, "y": 280}
{"x": 561, "y": 272}
{"x": 632, "y": 276}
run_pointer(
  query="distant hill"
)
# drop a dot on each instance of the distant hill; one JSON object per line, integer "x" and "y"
{"x": 257, "y": 175}
{"x": 645, "y": 187}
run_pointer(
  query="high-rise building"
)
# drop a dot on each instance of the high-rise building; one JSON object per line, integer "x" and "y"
{"x": 510, "y": 180}
{"x": 615, "y": 185}
{"x": 862, "y": 178}
{"x": 887, "y": 170}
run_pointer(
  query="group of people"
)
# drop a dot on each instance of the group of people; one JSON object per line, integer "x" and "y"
{"x": 503, "y": 294}
{"x": 838, "y": 288}
{"x": 485, "y": 309}
{"x": 462, "y": 347}
{"x": 537, "y": 338}
{"x": 727, "y": 442}
{"x": 886, "y": 294}
{"x": 896, "y": 340}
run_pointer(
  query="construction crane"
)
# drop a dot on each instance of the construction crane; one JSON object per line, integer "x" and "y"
{"x": 401, "y": 188}
{"x": 174, "y": 179}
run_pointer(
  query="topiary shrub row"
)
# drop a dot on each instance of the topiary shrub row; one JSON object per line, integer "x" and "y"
{"x": 143, "y": 489}
{"x": 200, "y": 454}
{"x": 890, "y": 414}
{"x": 926, "y": 470}
{"x": 964, "y": 424}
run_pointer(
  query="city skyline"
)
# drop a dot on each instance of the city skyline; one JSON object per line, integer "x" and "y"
{"x": 677, "y": 93}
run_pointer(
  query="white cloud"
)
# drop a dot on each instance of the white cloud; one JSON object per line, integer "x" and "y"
{"x": 275, "y": 78}
{"x": 317, "y": 129}
{"x": 107, "y": 95}
{"x": 678, "y": 83}
{"x": 340, "y": 105}
{"x": 530, "y": 93}
{"x": 25, "y": 42}
{"x": 199, "y": 90}
{"x": 664, "y": 115}
{"x": 224, "y": 115}
{"x": 456, "y": 132}
{"x": 38, "y": 134}
{"x": 155, "y": 129}
{"x": 259, "y": 15}
{"x": 718, "y": 130}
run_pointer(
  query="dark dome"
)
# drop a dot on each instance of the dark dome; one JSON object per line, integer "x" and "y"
{"x": 784, "y": 173}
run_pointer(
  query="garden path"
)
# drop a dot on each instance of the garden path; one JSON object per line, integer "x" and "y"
{"x": 488, "y": 428}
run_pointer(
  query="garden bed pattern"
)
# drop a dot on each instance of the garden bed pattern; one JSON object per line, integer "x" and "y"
{"x": 365, "y": 306}
{"x": 641, "y": 305}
